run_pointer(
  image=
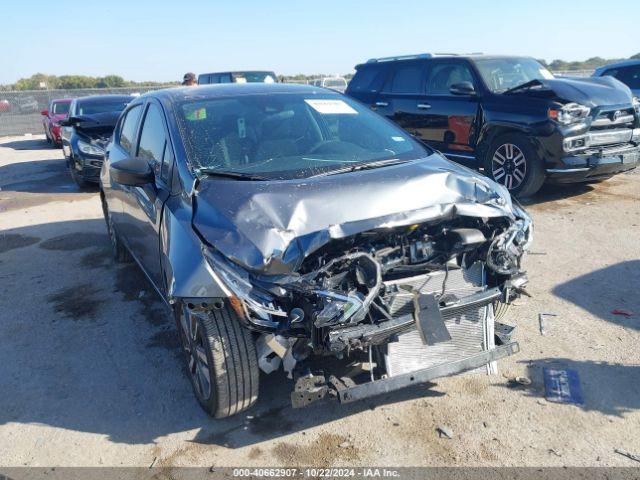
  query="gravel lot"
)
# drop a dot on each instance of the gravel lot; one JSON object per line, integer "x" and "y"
{"x": 91, "y": 374}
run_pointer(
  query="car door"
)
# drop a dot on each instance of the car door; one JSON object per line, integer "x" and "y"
{"x": 447, "y": 121}
{"x": 401, "y": 97}
{"x": 143, "y": 204}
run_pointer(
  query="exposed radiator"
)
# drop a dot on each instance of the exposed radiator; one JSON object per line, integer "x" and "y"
{"x": 472, "y": 331}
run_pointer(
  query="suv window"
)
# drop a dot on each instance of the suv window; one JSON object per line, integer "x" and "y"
{"x": 443, "y": 75}
{"x": 407, "y": 79}
{"x": 128, "y": 130}
{"x": 630, "y": 76}
{"x": 368, "y": 79}
{"x": 153, "y": 138}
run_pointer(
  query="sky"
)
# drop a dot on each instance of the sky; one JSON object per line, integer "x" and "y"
{"x": 158, "y": 40}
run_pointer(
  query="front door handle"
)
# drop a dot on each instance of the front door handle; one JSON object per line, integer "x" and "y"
{"x": 382, "y": 104}
{"x": 424, "y": 106}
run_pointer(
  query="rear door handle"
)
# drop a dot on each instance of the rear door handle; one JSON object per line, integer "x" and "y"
{"x": 424, "y": 106}
{"x": 382, "y": 104}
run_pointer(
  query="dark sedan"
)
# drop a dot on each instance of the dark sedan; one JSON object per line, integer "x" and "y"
{"x": 285, "y": 225}
{"x": 86, "y": 131}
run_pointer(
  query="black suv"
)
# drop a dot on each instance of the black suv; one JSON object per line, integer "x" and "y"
{"x": 507, "y": 115}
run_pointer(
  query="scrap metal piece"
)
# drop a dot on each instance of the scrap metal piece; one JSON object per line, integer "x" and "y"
{"x": 429, "y": 320}
{"x": 309, "y": 389}
{"x": 503, "y": 332}
{"x": 630, "y": 455}
{"x": 541, "y": 317}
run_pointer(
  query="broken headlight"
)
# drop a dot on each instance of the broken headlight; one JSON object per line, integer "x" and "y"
{"x": 506, "y": 250}
{"x": 569, "y": 113}
{"x": 235, "y": 282}
{"x": 339, "y": 309}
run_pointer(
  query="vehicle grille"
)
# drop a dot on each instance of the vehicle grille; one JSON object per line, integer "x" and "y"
{"x": 611, "y": 127}
{"x": 471, "y": 330}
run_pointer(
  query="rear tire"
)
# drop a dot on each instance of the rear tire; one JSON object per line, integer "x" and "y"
{"x": 221, "y": 359}
{"x": 512, "y": 162}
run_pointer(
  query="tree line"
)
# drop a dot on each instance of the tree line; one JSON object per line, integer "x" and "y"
{"x": 42, "y": 81}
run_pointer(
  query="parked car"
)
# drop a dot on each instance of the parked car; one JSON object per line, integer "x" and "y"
{"x": 339, "y": 84}
{"x": 627, "y": 72}
{"x": 26, "y": 104}
{"x": 86, "y": 132}
{"x": 507, "y": 115}
{"x": 5, "y": 106}
{"x": 255, "y": 76}
{"x": 57, "y": 110}
{"x": 287, "y": 224}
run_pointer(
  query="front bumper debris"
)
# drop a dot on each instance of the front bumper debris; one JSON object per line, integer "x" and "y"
{"x": 595, "y": 165}
{"x": 312, "y": 388}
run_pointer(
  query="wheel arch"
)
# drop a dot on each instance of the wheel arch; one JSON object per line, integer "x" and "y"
{"x": 493, "y": 130}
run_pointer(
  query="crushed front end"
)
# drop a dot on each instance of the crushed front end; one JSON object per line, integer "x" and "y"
{"x": 386, "y": 307}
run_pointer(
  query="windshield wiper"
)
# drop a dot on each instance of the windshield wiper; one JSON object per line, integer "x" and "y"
{"x": 211, "y": 172}
{"x": 531, "y": 83}
{"x": 361, "y": 166}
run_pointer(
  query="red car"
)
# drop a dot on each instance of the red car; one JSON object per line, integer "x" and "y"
{"x": 5, "y": 106}
{"x": 58, "y": 110}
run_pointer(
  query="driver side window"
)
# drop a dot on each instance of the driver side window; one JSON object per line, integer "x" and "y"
{"x": 444, "y": 75}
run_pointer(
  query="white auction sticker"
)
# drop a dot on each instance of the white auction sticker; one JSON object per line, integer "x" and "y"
{"x": 331, "y": 107}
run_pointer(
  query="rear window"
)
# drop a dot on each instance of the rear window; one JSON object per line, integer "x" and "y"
{"x": 60, "y": 108}
{"x": 368, "y": 79}
{"x": 93, "y": 107}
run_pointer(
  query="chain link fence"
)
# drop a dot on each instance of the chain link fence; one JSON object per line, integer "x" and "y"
{"x": 20, "y": 110}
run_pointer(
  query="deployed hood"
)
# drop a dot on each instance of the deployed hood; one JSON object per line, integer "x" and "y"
{"x": 270, "y": 227}
{"x": 97, "y": 125}
{"x": 589, "y": 91}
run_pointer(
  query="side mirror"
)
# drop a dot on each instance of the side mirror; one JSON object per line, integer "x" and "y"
{"x": 134, "y": 172}
{"x": 44, "y": 113}
{"x": 65, "y": 122}
{"x": 462, "y": 88}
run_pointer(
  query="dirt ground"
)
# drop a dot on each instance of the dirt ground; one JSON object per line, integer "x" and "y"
{"x": 90, "y": 371}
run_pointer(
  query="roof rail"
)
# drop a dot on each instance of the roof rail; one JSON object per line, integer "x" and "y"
{"x": 400, "y": 57}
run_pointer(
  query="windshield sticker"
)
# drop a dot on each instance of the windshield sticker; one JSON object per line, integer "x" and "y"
{"x": 397, "y": 139}
{"x": 196, "y": 114}
{"x": 331, "y": 107}
{"x": 241, "y": 80}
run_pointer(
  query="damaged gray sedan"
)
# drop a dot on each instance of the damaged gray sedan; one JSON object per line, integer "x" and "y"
{"x": 291, "y": 228}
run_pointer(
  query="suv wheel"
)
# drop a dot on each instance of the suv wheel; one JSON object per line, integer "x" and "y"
{"x": 221, "y": 360}
{"x": 512, "y": 162}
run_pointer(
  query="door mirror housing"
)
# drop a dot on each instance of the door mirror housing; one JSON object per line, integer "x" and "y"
{"x": 44, "y": 113}
{"x": 134, "y": 172}
{"x": 65, "y": 122}
{"x": 462, "y": 88}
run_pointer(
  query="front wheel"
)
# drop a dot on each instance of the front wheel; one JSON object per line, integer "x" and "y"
{"x": 221, "y": 359}
{"x": 512, "y": 162}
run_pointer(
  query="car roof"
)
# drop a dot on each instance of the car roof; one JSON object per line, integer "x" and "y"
{"x": 625, "y": 63}
{"x": 62, "y": 100}
{"x": 437, "y": 56}
{"x": 202, "y": 92}
{"x": 238, "y": 71}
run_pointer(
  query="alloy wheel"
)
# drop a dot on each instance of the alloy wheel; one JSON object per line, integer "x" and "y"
{"x": 194, "y": 346}
{"x": 509, "y": 166}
